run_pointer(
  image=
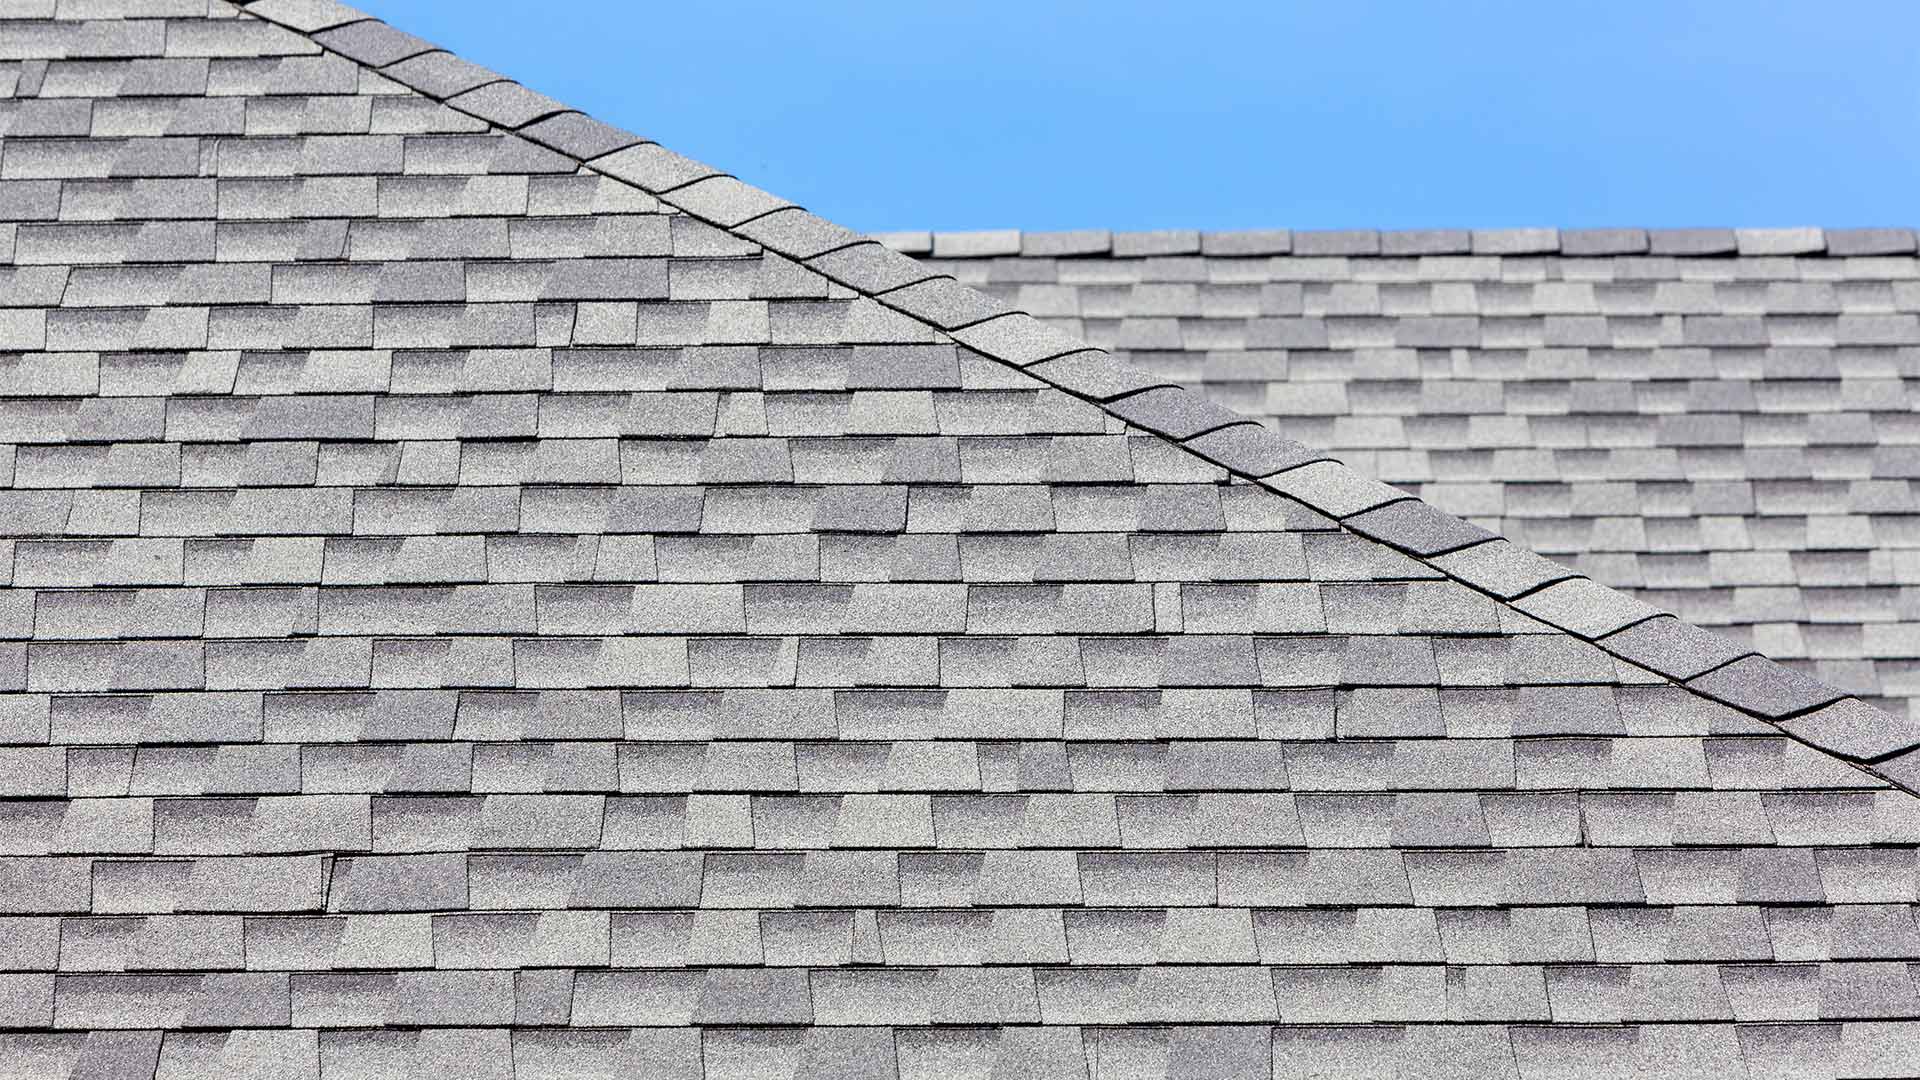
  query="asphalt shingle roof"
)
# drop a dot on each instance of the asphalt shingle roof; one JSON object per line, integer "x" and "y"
{"x": 1719, "y": 422}
{"x": 488, "y": 596}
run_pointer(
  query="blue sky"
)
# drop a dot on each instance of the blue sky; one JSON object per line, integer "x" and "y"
{"x": 897, "y": 114}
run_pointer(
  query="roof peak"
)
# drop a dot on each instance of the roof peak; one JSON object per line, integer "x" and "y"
{"x": 1258, "y": 243}
{"x": 1695, "y": 659}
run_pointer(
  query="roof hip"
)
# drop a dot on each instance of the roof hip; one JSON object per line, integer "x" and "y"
{"x": 1703, "y": 663}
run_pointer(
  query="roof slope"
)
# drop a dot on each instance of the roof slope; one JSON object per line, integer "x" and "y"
{"x": 1719, "y": 421}
{"x": 472, "y": 614}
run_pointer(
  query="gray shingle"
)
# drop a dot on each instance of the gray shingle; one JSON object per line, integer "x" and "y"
{"x": 505, "y": 103}
{"x": 963, "y": 245}
{"x": 868, "y": 267}
{"x": 623, "y": 624}
{"x": 439, "y": 74}
{"x": 371, "y": 42}
{"x": 725, "y": 200}
{"x": 652, "y": 167}
{"x": 1862, "y": 242}
{"x": 1135, "y": 245}
{"x": 1853, "y": 729}
{"x": 1414, "y": 526}
{"x": 304, "y": 15}
{"x": 1585, "y": 607}
{"x": 579, "y": 135}
{"x": 1672, "y": 647}
{"x": 1515, "y": 241}
{"x": 1761, "y": 686}
{"x": 1173, "y": 412}
{"x": 1018, "y": 339}
{"x": 798, "y": 234}
{"x": 945, "y": 303}
{"x": 1691, "y": 241}
{"x": 1425, "y": 242}
{"x": 1335, "y": 242}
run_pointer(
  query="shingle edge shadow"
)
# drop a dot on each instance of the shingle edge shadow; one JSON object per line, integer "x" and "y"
{"x": 1750, "y": 684}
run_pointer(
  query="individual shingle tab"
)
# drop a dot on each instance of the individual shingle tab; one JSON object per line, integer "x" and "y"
{"x": 579, "y": 135}
{"x": 1252, "y": 450}
{"x": 798, "y": 234}
{"x": 1855, "y": 730}
{"x": 439, "y": 74}
{"x": 1761, "y": 686}
{"x": 1585, "y": 608}
{"x": 1173, "y": 413}
{"x": 1692, "y": 241}
{"x": 505, "y": 103}
{"x": 869, "y": 267}
{"x": 1671, "y": 647}
{"x": 652, "y": 167}
{"x": 372, "y": 42}
{"x": 307, "y": 16}
{"x": 1077, "y": 242}
{"x": 1416, "y": 527}
{"x": 1858, "y": 242}
{"x": 961, "y": 245}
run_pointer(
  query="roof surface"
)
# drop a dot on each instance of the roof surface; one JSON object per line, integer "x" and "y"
{"x": 1717, "y": 421}
{"x": 478, "y": 613}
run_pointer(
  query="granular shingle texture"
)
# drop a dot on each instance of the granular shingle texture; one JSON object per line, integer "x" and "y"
{"x": 1719, "y": 421}
{"x": 469, "y": 614}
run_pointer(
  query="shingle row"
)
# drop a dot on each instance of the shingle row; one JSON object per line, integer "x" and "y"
{"x": 679, "y": 557}
{"x": 1226, "y": 292}
{"x": 728, "y": 437}
{"x": 1412, "y": 242}
{"x": 996, "y": 995}
{"x": 507, "y": 324}
{"x": 681, "y": 377}
{"x": 1866, "y": 1048}
{"x": 594, "y": 206}
{"x": 166, "y": 238}
{"x": 1407, "y": 703}
{"x": 1604, "y": 950}
{"x": 1510, "y": 333}
{"x": 1362, "y": 285}
{"x": 1196, "y": 815}
{"x": 1343, "y": 796}
{"x": 283, "y": 881}
{"x": 70, "y": 108}
{"x": 766, "y": 508}
{"x": 1059, "y": 603}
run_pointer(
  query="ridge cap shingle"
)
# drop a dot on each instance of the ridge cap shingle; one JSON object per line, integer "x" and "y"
{"x": 1405, "y": 524}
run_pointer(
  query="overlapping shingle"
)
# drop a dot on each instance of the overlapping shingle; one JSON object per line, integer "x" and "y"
{"x": 1692, "y": 415}
{"x": 469, "y": 614}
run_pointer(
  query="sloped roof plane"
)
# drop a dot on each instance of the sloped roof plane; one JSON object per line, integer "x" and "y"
{"x": 1718, "y": 421}
{"x": 491, "y": 596}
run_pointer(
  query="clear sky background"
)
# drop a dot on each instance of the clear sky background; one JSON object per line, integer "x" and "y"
{"x": 1125, "y": 114}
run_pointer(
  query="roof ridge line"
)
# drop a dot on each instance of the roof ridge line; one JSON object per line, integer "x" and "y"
{"x": 1786, "y": 241}
{"x": 1696, "y": 660}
